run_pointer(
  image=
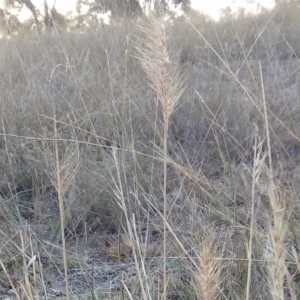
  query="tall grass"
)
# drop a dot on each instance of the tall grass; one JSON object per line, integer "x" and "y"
{"x": 168, "y": 86}
{"x": 168, "y": 167}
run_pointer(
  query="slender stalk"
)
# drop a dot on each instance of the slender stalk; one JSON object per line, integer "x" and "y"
{"x": 249, "y": 252}
{"x": 259, "y": 160}
{"x": 59, "y": 188}
{"x": 278, "y": 227}
{"x": 168, "y": 85}
{"x": 166, "y": 126}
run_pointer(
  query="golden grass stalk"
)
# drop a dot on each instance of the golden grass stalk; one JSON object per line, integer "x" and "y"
{"x": 206, "y": 277}
{"x": 259, "y": 160}
{"x": 64, "y": 174}
{"x": 60, "y": 192}
{"x": 13, "y": 286}
{"x": 277, "y": 228}
{"x": 131, "y": 230}
{"x": 277, "y": 253}
{"x": 28, "y": 287}
{"x": 166, "y": 82}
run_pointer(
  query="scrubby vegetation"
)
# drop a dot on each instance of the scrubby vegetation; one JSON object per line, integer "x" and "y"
{"x": 152, "y": 159}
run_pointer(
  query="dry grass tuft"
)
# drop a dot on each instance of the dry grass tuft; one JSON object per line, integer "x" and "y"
{"x": 207, "y": 277}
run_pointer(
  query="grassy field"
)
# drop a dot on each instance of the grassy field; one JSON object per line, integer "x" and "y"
{"x": 152, "y": 159}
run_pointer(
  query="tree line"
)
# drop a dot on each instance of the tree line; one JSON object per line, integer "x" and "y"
{"x": 45, "y": 19}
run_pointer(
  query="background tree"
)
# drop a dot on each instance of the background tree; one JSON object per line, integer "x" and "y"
{"x": 281, "y": 2}
{"x": 117, "y": 8}
{"x": 52, "y": 16}
{"x": 47, "y": 17}
{"x": 128, "y": 8}
{"x": 9, "y": 24}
